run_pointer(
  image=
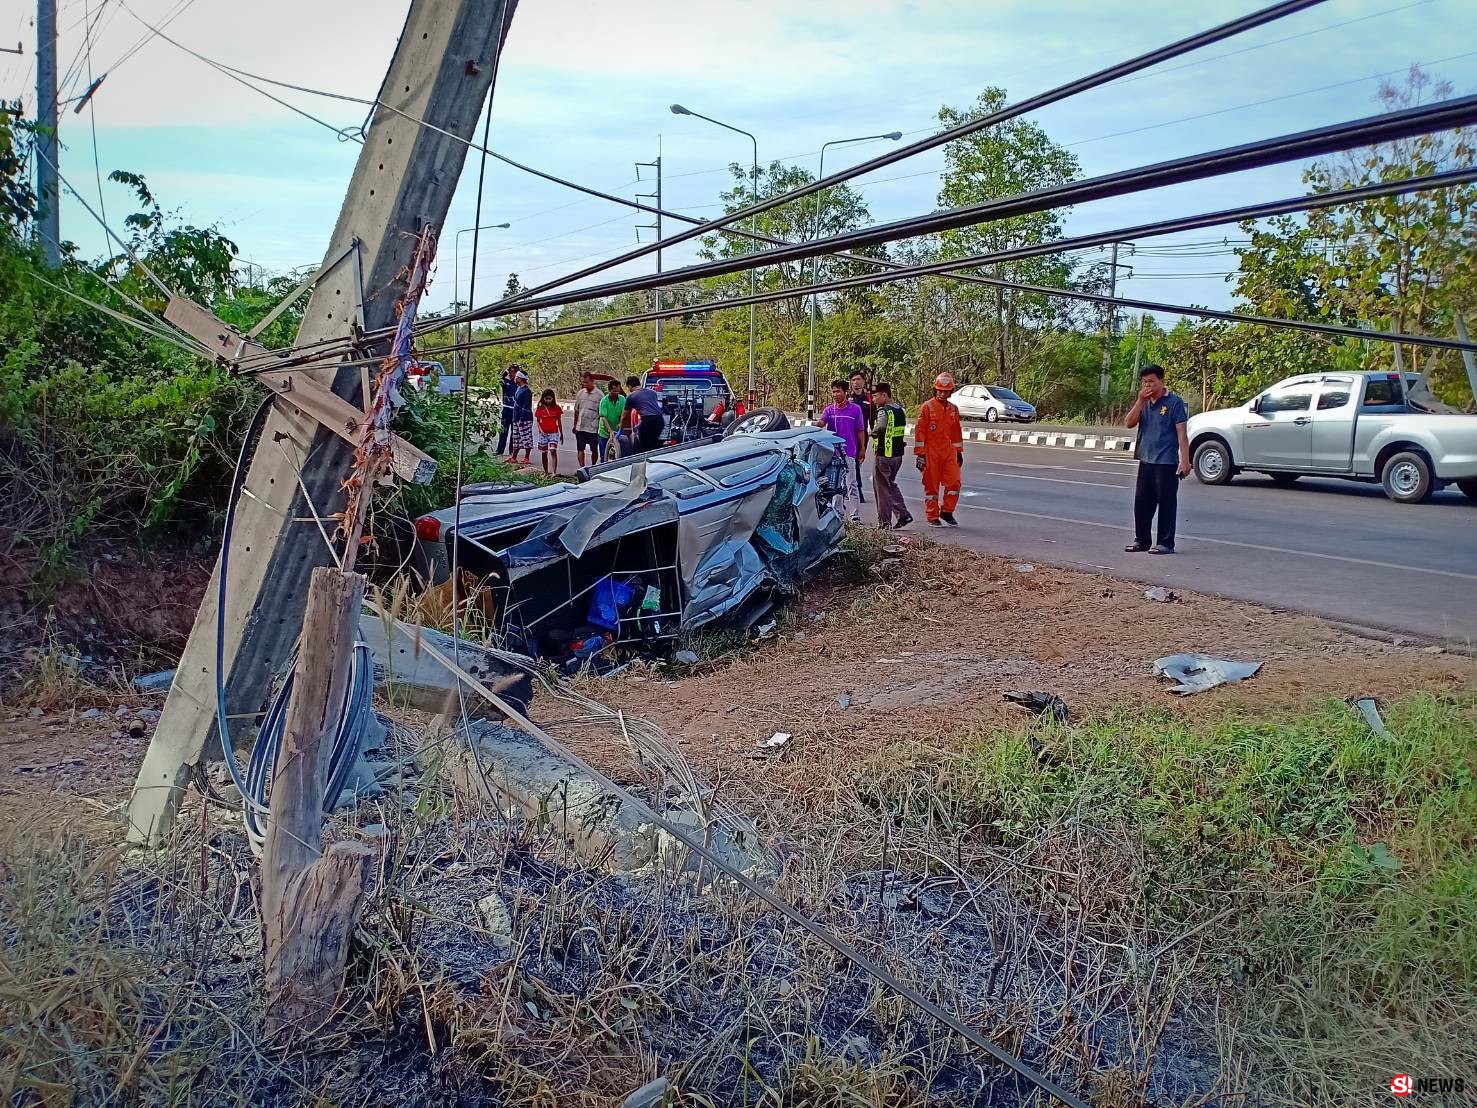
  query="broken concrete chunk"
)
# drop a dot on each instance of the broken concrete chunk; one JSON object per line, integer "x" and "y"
{"x": 1195, "y": 673}
{"x": 603, "y": 827}
{"x": 650, "y": 1095}
{"x": 492, "y": 911}
{"x": 155, "y": 682}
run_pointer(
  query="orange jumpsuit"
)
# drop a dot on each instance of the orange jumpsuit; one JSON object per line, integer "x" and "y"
{"x": 939, "y": 439}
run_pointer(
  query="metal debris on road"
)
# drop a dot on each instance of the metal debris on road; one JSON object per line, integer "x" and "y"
{"x": 1369, "y": 708}
{"x": 1195, "y": 673}
{"x": 1042, "y": 703}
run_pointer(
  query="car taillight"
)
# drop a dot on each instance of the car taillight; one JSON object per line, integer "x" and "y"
{"x": 428, "y": 529}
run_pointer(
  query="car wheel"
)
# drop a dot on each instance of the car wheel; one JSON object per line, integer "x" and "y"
{"x": 760, "y": 419}
{"x": 1284, "y": 478}
{"x": 1468, "y": 485}
{"x": 1213, "y": 463}
{"x": 1407, "y": 477}
{"x": 992, "y": 415}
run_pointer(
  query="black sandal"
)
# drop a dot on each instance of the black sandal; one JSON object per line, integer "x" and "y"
{"x": 1136, "y": 548}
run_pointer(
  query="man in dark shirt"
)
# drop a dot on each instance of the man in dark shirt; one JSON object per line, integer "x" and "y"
{"x": 648, "y": 406}
{"x": 509, "y": 390}
{"x": 1163, "y": 451}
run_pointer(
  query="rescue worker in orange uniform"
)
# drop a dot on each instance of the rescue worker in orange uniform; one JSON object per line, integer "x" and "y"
{"x": 938, "y": 443}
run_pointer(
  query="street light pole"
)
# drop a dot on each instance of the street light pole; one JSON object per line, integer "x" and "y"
{"x": 678, "y": 109}
{"x": 815, "y": 233}
{"x": 456, "y": 283}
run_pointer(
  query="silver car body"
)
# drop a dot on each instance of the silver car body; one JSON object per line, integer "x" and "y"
{"x": 1339, "y": 425}
{"x": 991, "y": 403}
{"x": 716, "y": 526}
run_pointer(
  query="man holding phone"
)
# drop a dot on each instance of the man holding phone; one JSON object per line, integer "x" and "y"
{"x": 1163, "y": 451}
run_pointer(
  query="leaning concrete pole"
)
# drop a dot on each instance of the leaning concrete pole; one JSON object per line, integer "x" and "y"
{"x": 441, "y": 74}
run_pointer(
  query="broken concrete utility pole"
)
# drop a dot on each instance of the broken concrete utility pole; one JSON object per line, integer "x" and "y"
{"x": 441, "y": 74}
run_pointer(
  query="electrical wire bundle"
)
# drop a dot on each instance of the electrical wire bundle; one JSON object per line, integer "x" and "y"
{"x": 353, "y": 711}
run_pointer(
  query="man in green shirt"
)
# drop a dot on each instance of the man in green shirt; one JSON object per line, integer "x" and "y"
{"x": 612, "y": 407}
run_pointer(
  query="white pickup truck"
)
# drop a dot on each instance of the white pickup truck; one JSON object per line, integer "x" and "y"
{"x": 1361, "y": 426}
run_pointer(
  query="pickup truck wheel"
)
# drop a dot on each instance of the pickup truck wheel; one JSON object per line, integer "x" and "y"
{"x": 1407, "y": 477}
{"x": 1468, "y": 485}
{"x": 760, "y": 419}
{"x": 1213, "y": 463}
{"x": 1284, "y": 478}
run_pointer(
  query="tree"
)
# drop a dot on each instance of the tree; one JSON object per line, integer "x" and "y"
{"x": 1010, "y": 158}
{"x": 1406, "y": 263}
{"x": 838, "y": 209}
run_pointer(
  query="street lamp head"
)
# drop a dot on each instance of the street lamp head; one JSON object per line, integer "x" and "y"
{"x": 678, "y": 109}
{"x": 501, "y": 226}
{"x": 894, "y": 135}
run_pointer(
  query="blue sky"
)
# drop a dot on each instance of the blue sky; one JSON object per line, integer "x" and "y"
{"x": 584, "y": 90}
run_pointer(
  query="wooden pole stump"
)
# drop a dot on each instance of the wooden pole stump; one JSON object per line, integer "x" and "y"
{"x": 311, "y": 900}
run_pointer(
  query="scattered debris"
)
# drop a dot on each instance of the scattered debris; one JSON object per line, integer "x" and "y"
{"x": 1024, "y": 567}
{"x": 651, "y": 1095}
{"x": 686, "y": 658}
{"x": 154, "y": 682}
{"x": 844, "y": 700}
{"x": 1369, "y": 708}
{"x": 91, "y": 713}
{"x": 493, "y": 911}
{"x": 137, "y": 728}
{"x": 1435, "y": 650}
{"x": 1159, "y": 594}
{"x": 1042, "y": 703}
{"x": 766, "y": 630}
{"x": 1197, "y": 672}
{"x": 775, "y": 741}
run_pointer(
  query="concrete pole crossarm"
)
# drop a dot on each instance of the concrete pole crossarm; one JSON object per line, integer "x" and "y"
{"x": 441, "y": 73}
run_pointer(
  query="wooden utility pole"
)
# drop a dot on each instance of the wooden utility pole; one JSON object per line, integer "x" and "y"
{"x": 311, "y": 901}
{"x": 47, "y": 191}
{"x": 441, "y": 73}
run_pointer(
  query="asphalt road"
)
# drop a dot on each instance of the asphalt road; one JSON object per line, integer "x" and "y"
{"x": 1334, "y": 548}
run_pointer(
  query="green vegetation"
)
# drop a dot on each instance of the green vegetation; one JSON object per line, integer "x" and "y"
{"x": 1327, "y": 877}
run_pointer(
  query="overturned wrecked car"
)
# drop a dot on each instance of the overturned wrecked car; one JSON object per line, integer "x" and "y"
{"x": 644, "y": 549}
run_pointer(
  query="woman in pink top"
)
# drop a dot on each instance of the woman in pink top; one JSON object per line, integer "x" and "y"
{"x": 844, "y": 418}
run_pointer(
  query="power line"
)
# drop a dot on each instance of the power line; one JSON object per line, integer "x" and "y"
{"x": 963, "y": 130}
{"x": 1370, "y": 130}
{"x": 950, "y": 268}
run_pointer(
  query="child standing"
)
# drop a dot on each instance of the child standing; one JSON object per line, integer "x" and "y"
{"x": 520, "y": 439}
{"x": 550, "y": 418}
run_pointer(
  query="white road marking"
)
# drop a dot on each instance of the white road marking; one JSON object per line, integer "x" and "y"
{"x": 1063, "y": 481}
{"x": 1232, "y": 542}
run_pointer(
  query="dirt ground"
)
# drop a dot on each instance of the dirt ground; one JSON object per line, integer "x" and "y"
{"x": 923, "y": 652}
{"x": 928, "y": 652}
